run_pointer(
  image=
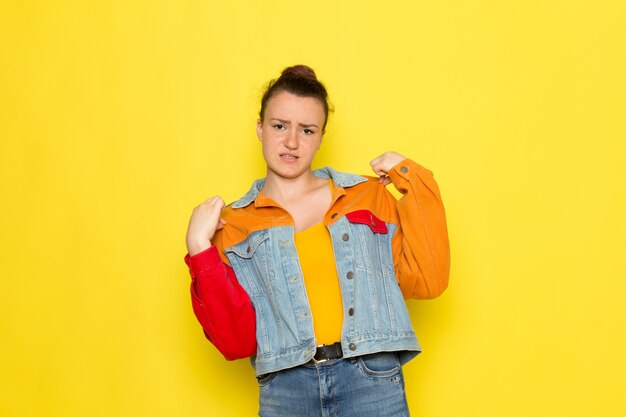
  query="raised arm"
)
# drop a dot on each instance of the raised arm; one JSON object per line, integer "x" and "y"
{"x": 220, "y": 304}
{"x": 421, "y": 249}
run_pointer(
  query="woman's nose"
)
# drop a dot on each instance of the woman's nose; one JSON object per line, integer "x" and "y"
{"x": 291, "y": 141}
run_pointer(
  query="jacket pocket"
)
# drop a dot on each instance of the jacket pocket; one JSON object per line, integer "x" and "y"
{"x": 248, "y": 247}
{"x": 367, "y": 218}
{"x": 250, "y": 262}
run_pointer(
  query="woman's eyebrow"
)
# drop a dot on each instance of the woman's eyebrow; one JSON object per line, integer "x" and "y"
{"x": 287, "y": 122}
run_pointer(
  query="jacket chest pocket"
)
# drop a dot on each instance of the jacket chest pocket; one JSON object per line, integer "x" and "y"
{"x": 372, "y": 241}
{"x": 367, "y": 218}
{"x": 250, "y": 260}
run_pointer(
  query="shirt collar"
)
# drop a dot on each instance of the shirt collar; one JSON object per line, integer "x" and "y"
{"x": 341, "y": 179}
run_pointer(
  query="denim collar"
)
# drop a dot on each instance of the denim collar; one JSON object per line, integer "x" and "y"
{"x": 341, "y": 179}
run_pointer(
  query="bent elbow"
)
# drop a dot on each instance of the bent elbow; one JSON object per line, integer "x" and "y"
{"x": 238, "y": 344}
{"x": 241, "y": 349}
{"x": 426, "y": 288}
{"x": 435, "y": 291}
{"x": 437, "y": 283}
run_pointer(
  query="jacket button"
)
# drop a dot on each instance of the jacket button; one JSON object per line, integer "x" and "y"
{"x": 351, "y": 311}
{"x": 345, "y": 237}
{"x": 352, "y": 346}
{"x": 248, "y": 249}
{"x": 404, "y": 170}
{"x": 350, "y": 275}
{"x": 332, "y": 216}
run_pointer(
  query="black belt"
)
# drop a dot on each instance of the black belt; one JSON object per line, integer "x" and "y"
{"x": 327, "y": 352}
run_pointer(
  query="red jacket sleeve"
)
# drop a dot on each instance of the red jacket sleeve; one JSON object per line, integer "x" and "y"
{"x": 221, "y": 305}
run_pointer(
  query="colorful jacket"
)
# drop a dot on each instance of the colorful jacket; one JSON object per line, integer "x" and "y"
{"x": 249, "y": 295}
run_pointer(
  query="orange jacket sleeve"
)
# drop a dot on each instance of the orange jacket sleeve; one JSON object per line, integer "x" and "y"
{"x": 421, "y": 249}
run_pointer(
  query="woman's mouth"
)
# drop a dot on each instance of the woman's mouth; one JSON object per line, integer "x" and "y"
{"x": 288, "y": 157}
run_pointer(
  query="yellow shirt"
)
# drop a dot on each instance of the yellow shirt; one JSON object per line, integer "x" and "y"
{"x": 317, "y": 260}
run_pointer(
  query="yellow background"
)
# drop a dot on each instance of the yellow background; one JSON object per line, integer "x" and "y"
{"x": 118, "y": 117}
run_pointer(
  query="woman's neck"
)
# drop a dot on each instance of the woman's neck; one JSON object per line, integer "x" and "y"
{"x": 281, "y": 189}
{"x": 306, "y": 198}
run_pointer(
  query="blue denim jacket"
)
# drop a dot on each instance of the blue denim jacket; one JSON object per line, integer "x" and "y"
{"x": 266, "y": 265}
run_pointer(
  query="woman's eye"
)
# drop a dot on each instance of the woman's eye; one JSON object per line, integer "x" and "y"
{"x": 278, "y": 126}
{"x": 308, "y": 132}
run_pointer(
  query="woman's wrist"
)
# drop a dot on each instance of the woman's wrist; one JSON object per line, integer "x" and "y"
{"x": 197, "y": 247}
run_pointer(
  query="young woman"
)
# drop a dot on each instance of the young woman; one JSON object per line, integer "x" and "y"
{"x": 307, "y": 273}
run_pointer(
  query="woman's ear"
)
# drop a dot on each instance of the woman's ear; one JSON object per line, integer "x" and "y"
{"x": 259, "y": 129}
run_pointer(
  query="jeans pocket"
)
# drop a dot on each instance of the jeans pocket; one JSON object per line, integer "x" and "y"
{"x": 379, "y": 365}
{"x": 265, "y": 379}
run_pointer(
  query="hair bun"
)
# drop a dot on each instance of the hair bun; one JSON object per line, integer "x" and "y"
{"x": 299, "y": 80}
{"x": 303, "y": 71}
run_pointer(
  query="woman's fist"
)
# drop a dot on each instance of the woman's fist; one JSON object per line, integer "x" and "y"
{"x": 205, "y": 221}
{"x": 383, "y": 164}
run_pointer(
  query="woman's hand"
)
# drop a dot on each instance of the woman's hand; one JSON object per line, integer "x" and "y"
{"x": 383, "y": 164}
{"x": 205, "y": 221}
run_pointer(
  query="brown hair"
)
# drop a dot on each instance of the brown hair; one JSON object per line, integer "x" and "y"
{"x": 301, "y": 81}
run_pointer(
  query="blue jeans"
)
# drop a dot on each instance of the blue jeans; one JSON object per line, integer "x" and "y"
{"x": 366, "y": 386}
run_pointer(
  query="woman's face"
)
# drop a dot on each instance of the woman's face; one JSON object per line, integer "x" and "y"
{"x": 291, "y": 133}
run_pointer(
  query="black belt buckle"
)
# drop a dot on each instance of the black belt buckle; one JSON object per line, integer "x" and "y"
{"x": 327, "y": 352}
